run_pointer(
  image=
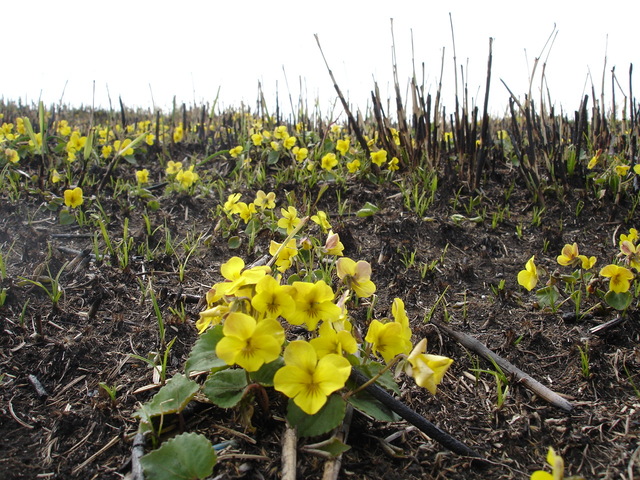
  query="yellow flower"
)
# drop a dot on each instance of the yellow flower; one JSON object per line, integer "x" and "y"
{"x": 331, "y": 341}
{"x": 173, "y": 167}
{"x": 266, "y": 201}
{"x": 289, "y": 142}
{"x": 275, "y": 146}
{"x": 256, "y": 138}
{"x": 619, "y": 277}
{"x": 281, "y": 132}
{"x": 314, "y": 303}
{"x": 246, "y": 211}
{"x": 178, "y": 134}
{"x": 528, "y": 277}
{"x": 150, "y": 139}
{"x": 632, "y": 253}
{"x": 622, "y": 170}
{"x": 289, "y": 220}
{"x": 123, "y": 147}
{"x": 235, "y": 151}
{"x": 636, "y": 168}
{"x": 557, "y": 468}
{"x": 187, "y": 177}
{"x": 12, "y": 155}
{"x": 594, "y": 160}
{"x": 322, "y": 220}
{"x": 73, "y": 197}
{"x": 211, "y": 316}
{"x": 329, "y": 161}
{"x": 386, "y": 339}
{"x": 357, "y": 276}
{"x": 333, "y": 245}
{"x": 106, "y": 151}
{"x": 343, "y": 145}
{"x": 308, "y": 380}
{"x": 426, "y": 369}
{"x": 632, "y": 237}
{"x": 393, "y": 164}
{"x": 248, "y": 343}
{"x": 142, "y": 176}
{"x": 284, "y": 260}
{"x": 55, "y": 176}
{"x": 230, "y": 206}
{"x": 300, "y": 154}
{"x": 353, "y": 166}
{"x": 379, "y": 157}
{"x": 271, "y": 298}
{"x": 63, "y": 128}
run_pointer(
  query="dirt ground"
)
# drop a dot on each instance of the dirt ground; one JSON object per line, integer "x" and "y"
{"x": 57, "y": 422}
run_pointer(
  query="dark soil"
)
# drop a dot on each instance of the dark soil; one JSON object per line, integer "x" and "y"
{"x": 57, "y": 422}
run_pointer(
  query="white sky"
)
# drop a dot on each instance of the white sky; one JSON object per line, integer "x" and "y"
{"x": 191, "y": 48}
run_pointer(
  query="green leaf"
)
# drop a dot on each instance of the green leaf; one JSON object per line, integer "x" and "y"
{"x": 385, "y": 380}
{"x": 273, "y": 157}
{"x": 334, "y": 447}
{"x": 226, "y": 388}
{"x": 187, "y": 456}
{"x": 153, "y": 205}
{"x": 234, "y": 242}
{"x": 619, "y": 301}
{"x": 203, "y": 354}
{"x": 172, "y": 398}
{"x": 367, "y": 210}
{"x": 264, "y": 376}
{"x": 364, "y": 402}
{"x": 547, "y": 296}
{"x": 66, "y": 217}
{"x": 328, "y": 418}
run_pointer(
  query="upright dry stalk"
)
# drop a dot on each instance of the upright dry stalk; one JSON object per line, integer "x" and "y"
{"x": 484, "y": 133}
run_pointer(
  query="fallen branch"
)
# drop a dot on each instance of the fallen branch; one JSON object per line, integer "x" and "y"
{"x": 529, "y": 382}
{"x": 413, "y": 417}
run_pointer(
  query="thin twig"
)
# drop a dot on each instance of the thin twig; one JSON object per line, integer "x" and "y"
{"x": 529, "y": 382}
{"x": 289, "y": 454}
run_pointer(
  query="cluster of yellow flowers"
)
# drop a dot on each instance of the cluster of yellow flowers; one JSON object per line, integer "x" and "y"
{"x": 253, "y": 304}
{"x": 620, "y": 277}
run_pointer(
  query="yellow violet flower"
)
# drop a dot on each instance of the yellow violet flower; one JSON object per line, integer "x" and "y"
{"x": 632, "y": 237}
{"x": 343, "y": 145}
{"x": 284, "y": 260}
{"x": 426, "y": 369}
{"x": 178, "y": 134}
{"x": 328, "y": 161}
{"x": 622, "y": 170}
{"x": 314, "y": 303}
{"x": 289, "y": 142}
{"x": 248, "y": 343}
{"x": 356, "y": 275}
{"x": 594, "y": 160}
{"x": 246, "y": 211}
{"x": 106, "y": 151}
{"x": 619, "y": 277}
{"x": 211, "y": 316}
{"x": 271, "y": 298}
{"x": 571, "y": 257}
{"x": 632, "y": 253}
{"x": 331, "y": 341}
{"x": 379, "y": 157}
{"x": 281, "y": 133}
{"x": 321, "y": 219}
{"x": 12, "y": 155}
{"x": 557, "y": 468}
{"x": 353, "y": 166}
{"x": 236, "y": 278}
{"x": 256, "y": 138}
{"x": 173, "y": 167}
{"x": 142, "y": 176}
{"x": 231, "y": 205}
{"x": 187, "y": 177}
{"x": 300, "y": 154}
{"x": 73, "y": 197}
{"x": 528, "y": 277}
{"x": 266, "y": 201}
{"x": 289, "y": 220}
{"x": 55, "y": 176}
{"x": 308, "y": 380}
{"x": 235, "y": 151}
{"x": 394, "y": 164}
{"x": 333, "y": 245}
{"x": 636, "y": 168}
{"x": 386, "y": 339}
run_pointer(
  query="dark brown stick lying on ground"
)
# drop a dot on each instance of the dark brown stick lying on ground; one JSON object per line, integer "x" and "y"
{"x": 413, "y": 417}
{"x": 536, "y": 387}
